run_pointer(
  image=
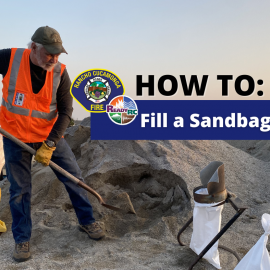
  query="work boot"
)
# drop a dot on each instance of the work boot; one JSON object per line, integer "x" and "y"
{"x": 93, "y": 230}
{"x": 21, "y": 252}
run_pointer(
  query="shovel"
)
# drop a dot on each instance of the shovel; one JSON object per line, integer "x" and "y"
{"x": 67, "y": 174}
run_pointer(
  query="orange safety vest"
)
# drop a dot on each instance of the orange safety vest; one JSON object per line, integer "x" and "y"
{"x": 28, "y": 116}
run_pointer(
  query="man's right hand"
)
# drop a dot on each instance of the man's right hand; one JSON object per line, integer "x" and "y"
{"x": 44, "y": 154}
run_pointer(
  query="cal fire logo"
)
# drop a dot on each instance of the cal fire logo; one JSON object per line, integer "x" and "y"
{"x": 122, "y": 110}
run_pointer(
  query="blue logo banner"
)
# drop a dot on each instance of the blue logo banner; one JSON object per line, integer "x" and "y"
{"x": 189, "y": 120}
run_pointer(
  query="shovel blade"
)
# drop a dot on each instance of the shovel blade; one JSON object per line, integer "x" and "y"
{"x": 117, "y": 209}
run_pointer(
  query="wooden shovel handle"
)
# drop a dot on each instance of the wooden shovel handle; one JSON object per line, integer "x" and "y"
{"x": 53, "y": 165}
{"x": 76, "y": 181}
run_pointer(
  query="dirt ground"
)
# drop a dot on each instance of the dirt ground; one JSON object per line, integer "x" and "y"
{"x": 159, "y": 177}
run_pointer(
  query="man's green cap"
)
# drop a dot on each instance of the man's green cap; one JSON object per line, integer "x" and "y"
{"x": 50, "y": 39}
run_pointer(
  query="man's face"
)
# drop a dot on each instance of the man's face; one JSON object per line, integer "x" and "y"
{"x": 45, "y": 59}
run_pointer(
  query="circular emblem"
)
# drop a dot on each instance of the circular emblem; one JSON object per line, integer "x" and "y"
{"x": 97, "y": 90}
{"x": 122, "y": 110}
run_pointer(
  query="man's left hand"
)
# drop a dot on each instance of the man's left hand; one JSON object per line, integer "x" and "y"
{"x": 44, "y": 154}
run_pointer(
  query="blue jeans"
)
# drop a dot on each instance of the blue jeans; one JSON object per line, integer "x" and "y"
{"x": 18, "y": 166}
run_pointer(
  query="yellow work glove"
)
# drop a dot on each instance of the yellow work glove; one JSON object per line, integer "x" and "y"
{"x": 44, "y": 154}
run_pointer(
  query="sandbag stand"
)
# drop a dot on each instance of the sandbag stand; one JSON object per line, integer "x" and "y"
{"x": 239, "y": 207}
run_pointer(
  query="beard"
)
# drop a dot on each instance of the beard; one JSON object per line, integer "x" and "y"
{"x": 45, "y": 66}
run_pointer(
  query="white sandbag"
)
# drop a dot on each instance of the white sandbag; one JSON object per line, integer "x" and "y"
{"x": 258, "y": 257}
{"x": 206, "y": 225}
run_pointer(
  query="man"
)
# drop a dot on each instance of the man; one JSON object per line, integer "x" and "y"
{"x": 36, "y": 108}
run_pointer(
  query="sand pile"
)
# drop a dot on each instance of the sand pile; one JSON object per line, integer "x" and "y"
{"x": 159, "y": 177}
{"x": 258, "y": 149}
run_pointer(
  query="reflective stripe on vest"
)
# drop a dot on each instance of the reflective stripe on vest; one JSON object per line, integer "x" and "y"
{"x": 12, "y": 83}
{"x": 11, "y": 90}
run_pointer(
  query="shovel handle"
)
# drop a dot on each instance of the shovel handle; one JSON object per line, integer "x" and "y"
{"x": 76, "y": 181}
{"x": 53, "y": 165}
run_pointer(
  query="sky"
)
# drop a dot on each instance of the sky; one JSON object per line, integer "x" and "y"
{"x": 152, "y": 37}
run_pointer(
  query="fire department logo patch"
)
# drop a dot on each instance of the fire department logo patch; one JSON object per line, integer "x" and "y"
{"x": 94, "y": 89}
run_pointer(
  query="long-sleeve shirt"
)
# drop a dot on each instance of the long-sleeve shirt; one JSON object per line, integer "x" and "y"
{"x": 63, "y": 96}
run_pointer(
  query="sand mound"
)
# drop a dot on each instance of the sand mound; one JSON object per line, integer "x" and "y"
{"x": 158, "y": 177}
{"x": 258, "y": 149}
